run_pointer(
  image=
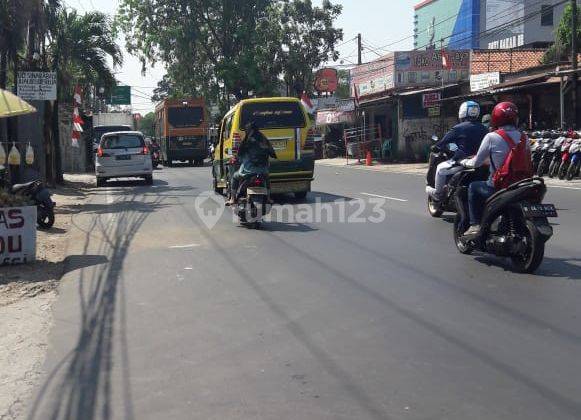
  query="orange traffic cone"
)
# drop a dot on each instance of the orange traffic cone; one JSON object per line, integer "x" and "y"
{"x": 368, "y": 159}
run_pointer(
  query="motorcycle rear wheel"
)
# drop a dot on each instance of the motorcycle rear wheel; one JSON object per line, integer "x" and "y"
{"x": 433, "y": 208}
{"x": 534, "y": 254}
{"x": 573, "y": 170}
{"x": 462, "y": 246}
{"x": 542, "y": 167}
{"x": 563, "y": 169}
{"x": 553, "y": 168}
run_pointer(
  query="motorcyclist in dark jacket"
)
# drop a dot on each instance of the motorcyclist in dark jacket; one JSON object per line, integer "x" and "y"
{"x": 467, "y": 136}
{"x": 253, "y": 156}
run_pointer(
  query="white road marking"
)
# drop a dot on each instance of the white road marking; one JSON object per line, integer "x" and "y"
{"x": 184, "y": 246}
{"x": 384, "y": 196}
{"x": 562, "y": 186}
{"x": 188, "y": 268}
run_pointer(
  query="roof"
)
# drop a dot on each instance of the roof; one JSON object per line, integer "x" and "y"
{"x": 423, "y": 3}
{"x": 504, "y": 61}
{"x": 425, "y": 90}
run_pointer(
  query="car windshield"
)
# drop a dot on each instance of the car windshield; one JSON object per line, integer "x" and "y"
{"x": 185, "y": 117}
{"x": 273, "y": 114}
{"x": 123, "y": 141}
{"x": 99, "y": 131}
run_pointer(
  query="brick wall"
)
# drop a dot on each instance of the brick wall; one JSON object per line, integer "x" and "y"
{"x": 504, "y": 61}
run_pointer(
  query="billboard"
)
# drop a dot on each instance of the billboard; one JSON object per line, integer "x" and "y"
{"x": 410, "y": 69}
{"x": 326, "y": 80}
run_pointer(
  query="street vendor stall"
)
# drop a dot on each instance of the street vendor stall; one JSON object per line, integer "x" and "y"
{"x": 17, "y": 215}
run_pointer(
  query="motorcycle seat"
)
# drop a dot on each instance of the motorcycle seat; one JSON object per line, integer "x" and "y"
{"x": 20, "y": 187}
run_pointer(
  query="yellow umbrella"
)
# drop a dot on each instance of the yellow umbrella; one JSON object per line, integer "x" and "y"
{"x": 12, "y": 106}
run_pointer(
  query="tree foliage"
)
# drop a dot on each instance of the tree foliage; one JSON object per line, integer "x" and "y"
{"x": 561, "y": 49}
{"x": 230, "y": 49}
{"x": 146, "y": 125}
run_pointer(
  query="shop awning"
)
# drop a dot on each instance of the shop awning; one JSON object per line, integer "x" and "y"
{"x": 548, "y": 81}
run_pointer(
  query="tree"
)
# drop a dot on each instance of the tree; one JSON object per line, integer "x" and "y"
{"x": 561, "y": 49}
{"x": 221, "y": 49}
{"x": 78, "y": 49}
{"x": 146, "y": 125}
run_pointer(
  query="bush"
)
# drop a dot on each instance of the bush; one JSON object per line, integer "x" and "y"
{"x": 11, "y": 200}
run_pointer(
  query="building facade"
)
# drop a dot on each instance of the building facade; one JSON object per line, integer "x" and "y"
{"x": 453, "y": 24}
{"x": 486, "y": 24}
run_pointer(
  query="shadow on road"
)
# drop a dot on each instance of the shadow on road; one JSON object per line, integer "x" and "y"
{"x": 80, "y": 386}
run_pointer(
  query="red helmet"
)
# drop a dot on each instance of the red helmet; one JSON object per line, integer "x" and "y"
{"x": 504, "y": 113}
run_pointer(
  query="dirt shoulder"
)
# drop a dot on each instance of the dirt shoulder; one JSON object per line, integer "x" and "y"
{"x": 27, "y": 293}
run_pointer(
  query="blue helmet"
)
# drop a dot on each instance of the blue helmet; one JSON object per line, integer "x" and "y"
{"x": 469, "y": 110}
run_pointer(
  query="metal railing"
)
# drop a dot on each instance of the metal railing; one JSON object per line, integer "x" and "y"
{"x": 360, "y": 140}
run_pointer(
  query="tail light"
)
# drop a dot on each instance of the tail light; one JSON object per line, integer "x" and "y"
{"x": 100, "y": 152}
{"x": 236, "y": 139}
{"x": 310, "y": 143}
{"x": 257, "y": 182}
{"x": 145, "y": 150}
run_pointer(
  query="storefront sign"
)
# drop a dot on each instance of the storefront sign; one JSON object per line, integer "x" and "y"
{"x": 335, "y": 117}
{"x": 432, "y": 99}
{"x": 346, "y": 105}
{"x": 484, "y": 81}
{"x": 374, "y": 77}
{"x": 377, "y": 85}
{"x": 37, "y": 85}
{"x": 434, "y": 111}
{"x": 326, "y": 80}
{"x": 430, "y": 60}
{"x": 514, "y": 41}
{"x": 17, "y": 235}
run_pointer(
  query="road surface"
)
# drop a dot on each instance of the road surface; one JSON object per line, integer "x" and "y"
{"x": 160, "y": 317}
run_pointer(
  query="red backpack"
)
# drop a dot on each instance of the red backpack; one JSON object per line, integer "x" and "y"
{"x": 516, "y": 166}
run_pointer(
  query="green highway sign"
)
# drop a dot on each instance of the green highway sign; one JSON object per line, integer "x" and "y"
{"x": 121, "y": 95}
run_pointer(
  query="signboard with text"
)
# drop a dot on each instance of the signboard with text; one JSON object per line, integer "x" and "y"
{"x": 484, "y": 81}
{"x": 17, "y": 235}
{"x": 121, "y": 95}
{"x": 432, "y": 99}
{"x": 37, "y": 85}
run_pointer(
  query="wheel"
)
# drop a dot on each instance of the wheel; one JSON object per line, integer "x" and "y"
{"x": 534, "y": 253}
{"x": 191, "y": 162}
{"x": 149, "y": 180}
{"x": 552, "y": 169}
{"x": 45, "y": 217}
{"x": 301, "y": 195}
{"x": 101, "y": 182}
{"x": 459, "y": 229}
{"x": 433, "y": 208}
{"x": 563, "y": 169}
{"x": 573, "y": 170}
{"x": 542, "y": 167}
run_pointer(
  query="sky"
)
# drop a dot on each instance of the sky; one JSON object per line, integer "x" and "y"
{"x": 380, "y": 22}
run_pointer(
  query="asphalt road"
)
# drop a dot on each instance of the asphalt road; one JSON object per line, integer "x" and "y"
{"x": 160, "y": 317}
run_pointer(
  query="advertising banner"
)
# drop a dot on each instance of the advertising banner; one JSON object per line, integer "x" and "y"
{"x": 37, "y": 85}
{"x": 335, "y": 117}
{"x": 484, "y": 81}
{"x": 17, "y": 235}
{"x": 432, "y": 99}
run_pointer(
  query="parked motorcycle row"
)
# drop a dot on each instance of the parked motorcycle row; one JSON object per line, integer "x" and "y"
{"x": 556, "y": 154}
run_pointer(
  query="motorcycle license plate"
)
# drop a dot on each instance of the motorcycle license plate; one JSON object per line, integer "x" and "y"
{"x": 257, "y": 191}
{"x": 539, "y": 210}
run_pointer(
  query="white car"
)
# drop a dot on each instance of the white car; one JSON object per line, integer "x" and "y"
{"x": 123, "y": 154}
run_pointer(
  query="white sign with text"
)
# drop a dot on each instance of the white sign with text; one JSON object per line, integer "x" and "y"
{"x": 37, "y": 85}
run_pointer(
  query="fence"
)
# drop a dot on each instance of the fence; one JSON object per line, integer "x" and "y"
{"x": 359, "y": 140}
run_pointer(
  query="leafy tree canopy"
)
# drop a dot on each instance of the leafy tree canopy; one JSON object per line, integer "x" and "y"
{"x": 561, "y": 50}
{"x": 230, "y": 49}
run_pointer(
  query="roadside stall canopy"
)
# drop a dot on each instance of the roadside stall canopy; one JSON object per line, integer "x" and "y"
{"x": 12, "y": 106}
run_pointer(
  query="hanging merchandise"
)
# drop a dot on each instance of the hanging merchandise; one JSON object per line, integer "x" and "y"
{"x": 2, "y": 155}
{"x": 14, "y": 156}
{"x": 29, "y": 155}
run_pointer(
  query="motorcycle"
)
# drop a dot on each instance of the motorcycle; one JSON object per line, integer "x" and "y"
{"x": 537, "y": 151}
{"x": 36, "y": 192}
{"x": 514, "y": 222}
{"x": 437, "y": 156}
{"x": 555, "y": 155}
{"x": 575, "y": 160}
{"x": 253, "y": 200}
{"x": 549, "y": 151}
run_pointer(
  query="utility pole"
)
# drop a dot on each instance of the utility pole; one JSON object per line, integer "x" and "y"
{"x": 574, "y": 60}
{"x": 360, "y": 49}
